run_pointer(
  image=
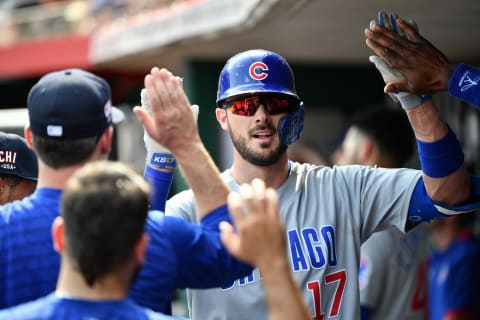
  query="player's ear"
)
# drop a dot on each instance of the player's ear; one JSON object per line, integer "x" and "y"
{"x": 27, "y": 133}
{"x": 221, "y": 115}
{"x": 58, "y": 235}
{"x": 140, "y": 249}
{"x": 105, "y": 141}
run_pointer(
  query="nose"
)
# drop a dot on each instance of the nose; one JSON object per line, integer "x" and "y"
{"x": 261, "y": 115}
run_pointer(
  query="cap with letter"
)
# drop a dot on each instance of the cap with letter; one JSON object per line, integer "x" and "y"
{"x": 71, "y": 104}
{"x": 17, "y": 158}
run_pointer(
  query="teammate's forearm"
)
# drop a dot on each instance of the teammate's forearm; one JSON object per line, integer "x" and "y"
{"x": 452, "y": 187}
{"x": 283, "y": 295}
{"x": 203, "y": 177}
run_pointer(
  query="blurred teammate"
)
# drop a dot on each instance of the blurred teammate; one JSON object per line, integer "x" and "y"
{"x": 71, "y": 123}
{"x": 327, "y": 212}
{"x": 18, "y": 168}
{"x": 102, "y": 244}
{"x": 454, "y": 281}
{"x": 393, "y": 265}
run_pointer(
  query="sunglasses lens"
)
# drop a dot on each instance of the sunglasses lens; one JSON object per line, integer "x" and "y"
{"x": 248, "y": 106}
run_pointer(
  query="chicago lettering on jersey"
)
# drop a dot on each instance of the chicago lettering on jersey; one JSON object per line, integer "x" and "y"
{"x": 309, "y": 248}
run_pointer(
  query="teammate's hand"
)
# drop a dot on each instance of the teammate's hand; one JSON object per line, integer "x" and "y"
{"x": 389, "y": 74}
{"x": 259, "y": 238}
{"x": 425, "y": 68}
{"x": 158, "y": 155}
{"x": 167, "y": 116}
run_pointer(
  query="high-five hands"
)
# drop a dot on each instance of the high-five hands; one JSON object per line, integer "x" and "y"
{"x": 425, "y": 69}
{"x": 166, "y": 115}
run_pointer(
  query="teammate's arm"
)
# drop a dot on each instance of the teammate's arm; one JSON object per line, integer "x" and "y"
{"x": 444, "y": 173}
{"x": 172, "y": 125}
{"x": 260, "y": 240}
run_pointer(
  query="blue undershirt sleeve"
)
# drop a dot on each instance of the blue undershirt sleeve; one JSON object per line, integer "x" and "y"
{"x": 203, "y": 261}
{"x": 160, "y": 182}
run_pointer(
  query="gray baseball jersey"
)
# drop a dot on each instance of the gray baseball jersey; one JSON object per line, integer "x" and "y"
{"x": 327, "y": 214}
{"x": 393, "y": 276}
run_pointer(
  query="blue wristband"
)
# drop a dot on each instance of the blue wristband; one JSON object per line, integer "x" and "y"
{"x": 442, "y": 157}
{"x": 464, "y": 84}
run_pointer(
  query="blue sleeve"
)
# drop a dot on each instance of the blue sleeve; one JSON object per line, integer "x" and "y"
{"x": 203, "y": 262}
{"x": 365, "y": 313}
{"x": 422, "y": 208}
{"x": 160, "y": 182}
{"x": 464, "y": 84}
{"x": 184, "y": 255}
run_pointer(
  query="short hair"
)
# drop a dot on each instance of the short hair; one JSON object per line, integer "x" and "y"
{"x": 59, "y": 153}
{"x": 104, "y": 208}
{"x": 390, "y": 130}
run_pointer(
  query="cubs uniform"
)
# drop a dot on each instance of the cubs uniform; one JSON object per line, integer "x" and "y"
{"x": 327, "y": 214}
{"x": 393, "y": 275}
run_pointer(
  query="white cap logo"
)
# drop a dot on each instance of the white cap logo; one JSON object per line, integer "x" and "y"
{"x": 54, "y": 131}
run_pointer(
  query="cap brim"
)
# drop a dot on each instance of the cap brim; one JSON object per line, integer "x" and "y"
{"x": 117, "y": 115}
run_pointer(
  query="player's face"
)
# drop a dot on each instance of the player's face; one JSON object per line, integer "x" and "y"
{"x": 254, "y": 137}
{"x": 20, "y": 190}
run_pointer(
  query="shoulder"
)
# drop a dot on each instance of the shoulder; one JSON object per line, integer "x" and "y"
{"x": 40, "y": 309}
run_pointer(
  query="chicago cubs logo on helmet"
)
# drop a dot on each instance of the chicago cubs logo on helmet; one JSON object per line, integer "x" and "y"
{"x": 257, "y": 70}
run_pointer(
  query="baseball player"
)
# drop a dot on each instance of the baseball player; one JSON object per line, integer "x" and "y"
{"x": 327, "y": 212}
{"x": 393, "y": 265}
{"x": 18, "y": 168}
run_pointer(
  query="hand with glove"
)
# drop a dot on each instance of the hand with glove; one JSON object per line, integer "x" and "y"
{"x": 389, "y": 74}
{"x": 159, "y": 156}
{"x": 423, "y": 67}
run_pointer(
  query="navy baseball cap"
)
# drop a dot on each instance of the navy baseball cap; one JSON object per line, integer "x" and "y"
{"x": 71, "y": 104}
{"x": 16, "y": 157}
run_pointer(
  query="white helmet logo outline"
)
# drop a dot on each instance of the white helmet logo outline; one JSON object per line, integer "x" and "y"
{"x": 256, "y": 71}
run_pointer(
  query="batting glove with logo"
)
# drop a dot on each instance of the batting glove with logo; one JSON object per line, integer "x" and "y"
{"x": 407, "y": 100}
{"x": 158, "y": 155}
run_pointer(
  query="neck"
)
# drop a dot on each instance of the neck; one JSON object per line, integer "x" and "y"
{"x": 274, "y": 175}
{"x": 113, "y": 286}
{"x": 57, "y": 178}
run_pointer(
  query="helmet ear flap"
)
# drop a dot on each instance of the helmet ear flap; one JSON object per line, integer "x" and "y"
{"x": 290, "y": 126}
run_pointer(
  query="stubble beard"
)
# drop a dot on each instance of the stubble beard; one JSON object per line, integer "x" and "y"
{"x": 257, "y": 158}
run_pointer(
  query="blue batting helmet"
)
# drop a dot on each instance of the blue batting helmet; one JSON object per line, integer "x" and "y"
{"x": 256, "y": 71}
{"x": 262, "y": 71}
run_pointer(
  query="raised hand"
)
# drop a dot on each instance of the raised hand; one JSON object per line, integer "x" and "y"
{"x": 425, "y": 68}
